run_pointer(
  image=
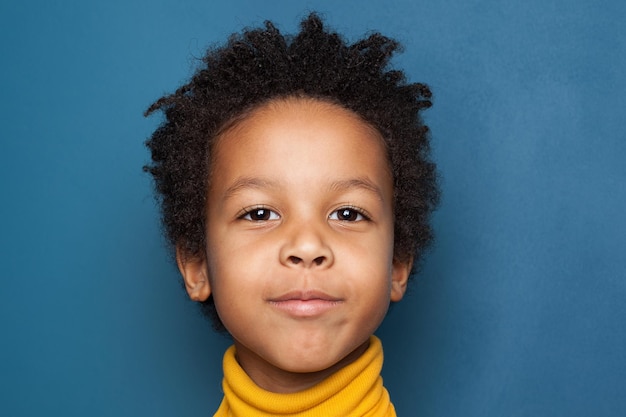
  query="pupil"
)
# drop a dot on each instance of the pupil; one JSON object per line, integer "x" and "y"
{"x": 347, "y": 214}
{"x": 260, "y": 214}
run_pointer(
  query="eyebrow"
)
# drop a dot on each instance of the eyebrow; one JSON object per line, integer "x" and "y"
{"x": 249, "y": 182}
{"x": 362, "y": 183}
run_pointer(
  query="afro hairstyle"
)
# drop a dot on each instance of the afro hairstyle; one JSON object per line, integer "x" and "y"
{"x": 260, "y": 65}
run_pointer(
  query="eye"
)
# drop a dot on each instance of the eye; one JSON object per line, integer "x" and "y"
{"x": 260, "y": 214}
{"x": 347, "y": 214}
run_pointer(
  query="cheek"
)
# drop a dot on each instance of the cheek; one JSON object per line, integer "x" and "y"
{"x": 371, "y": 265}
{"x": 375, "y": 250}
{"x": 235, "y": 275}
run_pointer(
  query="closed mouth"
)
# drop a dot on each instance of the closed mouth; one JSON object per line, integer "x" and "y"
{"x": 307, "y": 295}
{"x": 305, "y": 304}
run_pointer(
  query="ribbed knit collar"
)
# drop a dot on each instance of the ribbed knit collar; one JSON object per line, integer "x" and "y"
{"x": 354, "y": 391}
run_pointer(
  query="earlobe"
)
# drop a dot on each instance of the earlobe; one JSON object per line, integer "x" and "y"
{"x": 399, "y": 278}
{"x": 195, "y": 274}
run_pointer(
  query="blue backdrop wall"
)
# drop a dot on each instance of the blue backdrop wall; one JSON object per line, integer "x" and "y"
{"x": 520, "y": 308}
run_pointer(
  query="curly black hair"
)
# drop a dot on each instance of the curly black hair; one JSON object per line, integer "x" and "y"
{"x": 260, "y": 65}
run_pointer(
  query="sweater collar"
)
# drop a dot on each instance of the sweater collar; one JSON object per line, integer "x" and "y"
{"x": 355, "y": 390}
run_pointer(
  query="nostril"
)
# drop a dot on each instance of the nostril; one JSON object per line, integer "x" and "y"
{"x": 295, "y": 260}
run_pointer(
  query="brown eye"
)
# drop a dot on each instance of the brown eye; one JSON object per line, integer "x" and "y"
{"x": 347, "y": 214}
{"x": 260, "y": 214}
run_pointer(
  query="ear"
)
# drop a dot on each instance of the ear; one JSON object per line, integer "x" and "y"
{"x": 195, "y": 274}
{"x": 399, "y": 278}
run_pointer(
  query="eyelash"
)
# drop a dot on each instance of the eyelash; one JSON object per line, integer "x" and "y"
{"x": 266, "y": 214}
{"x": 360, "y": 215}
{"x": 248, "y": 213}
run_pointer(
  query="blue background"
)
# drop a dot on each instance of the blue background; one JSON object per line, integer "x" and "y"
{"x": 520, "y": 308}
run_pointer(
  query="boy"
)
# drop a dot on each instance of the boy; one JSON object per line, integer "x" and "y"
{"x": 296, "y": 189}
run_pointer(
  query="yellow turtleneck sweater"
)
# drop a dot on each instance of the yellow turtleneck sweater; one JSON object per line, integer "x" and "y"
{"x": 354, "y": 391}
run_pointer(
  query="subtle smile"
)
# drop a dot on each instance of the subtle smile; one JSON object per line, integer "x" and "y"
{"x": 304, "y": 304}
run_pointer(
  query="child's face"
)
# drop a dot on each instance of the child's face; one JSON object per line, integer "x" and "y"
{"x": 299, "y": 255}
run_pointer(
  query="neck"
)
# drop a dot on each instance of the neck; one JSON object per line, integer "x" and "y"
{"x": 273, "y": 379}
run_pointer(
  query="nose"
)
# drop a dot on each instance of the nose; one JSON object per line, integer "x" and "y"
{"x": 306, "y": 246}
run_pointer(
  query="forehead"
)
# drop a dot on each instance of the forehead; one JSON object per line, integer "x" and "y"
{"x": 302, "y": 151}
{"x": 293, "y": 122}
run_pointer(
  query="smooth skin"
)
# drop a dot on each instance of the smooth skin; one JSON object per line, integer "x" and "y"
{"x": 299, "y": 255}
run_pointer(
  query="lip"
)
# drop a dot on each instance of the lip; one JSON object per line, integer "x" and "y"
{"x": 304, "y": 304}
